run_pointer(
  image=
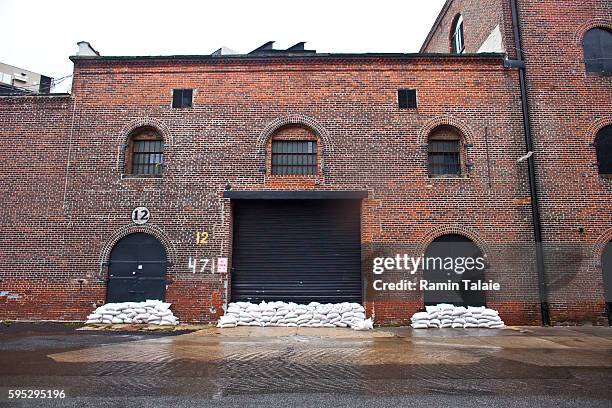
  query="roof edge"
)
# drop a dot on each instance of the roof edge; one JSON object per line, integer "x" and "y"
{"x": 436, "y": 24}
{"x": 250, "y": 57}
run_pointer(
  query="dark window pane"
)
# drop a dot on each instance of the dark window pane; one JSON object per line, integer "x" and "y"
{"x": 187, "y": 98}
{"x": 291, "y": 157}
{"x": 597, "y": 45}
{"x": 603, "y": 147}
{"x": 444, "y": 157}
{"x": 147, "y": 157}
{"x": 182, "y": 98}
{"x": 177, "y": 98}
{"x": 406, "y": 98}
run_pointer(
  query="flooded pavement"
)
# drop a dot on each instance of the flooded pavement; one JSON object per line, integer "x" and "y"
{"x": 245, "y": 366}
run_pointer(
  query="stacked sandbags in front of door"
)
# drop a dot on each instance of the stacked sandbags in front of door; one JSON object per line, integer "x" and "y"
{"x": 446, "y": 315}
{"x": 147, "y": 312}
{"x": 282, "y": 314}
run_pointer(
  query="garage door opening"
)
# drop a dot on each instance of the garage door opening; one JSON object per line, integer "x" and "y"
{"x": 137, "y": 269}
{"x": 297, "y": 251}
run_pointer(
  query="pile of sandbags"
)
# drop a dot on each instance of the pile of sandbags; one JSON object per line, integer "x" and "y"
{"x": 445, "y": 315}
{"x": 148, "y": 312}
{"x": 314, "y": 314}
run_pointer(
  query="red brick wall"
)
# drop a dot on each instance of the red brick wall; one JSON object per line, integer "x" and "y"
{"x": 568, "y": 107}
{"x": 367, "y": 144}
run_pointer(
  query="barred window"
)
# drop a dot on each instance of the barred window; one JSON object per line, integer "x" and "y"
{"x": 444, "y": 152}
{"x": 145, "y": 154}
{"x": 294, "y": 157}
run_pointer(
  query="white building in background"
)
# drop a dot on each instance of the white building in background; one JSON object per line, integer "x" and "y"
{"x": 18, "y": 81}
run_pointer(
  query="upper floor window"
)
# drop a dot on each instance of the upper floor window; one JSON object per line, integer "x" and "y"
{"x": 444, "y": 152}
{"x": 603, "y": 148}
{"x": 182, "y": 98}
{"x": 457, "y": 43}
{"x": 145, "y": 153}
{"x": 297, "y": 157}
{"x": 407, "y": 98}
{"x": 597, "y": 44}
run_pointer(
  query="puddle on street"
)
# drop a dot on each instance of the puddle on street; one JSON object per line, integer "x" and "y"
{"x": 212, "y": 367}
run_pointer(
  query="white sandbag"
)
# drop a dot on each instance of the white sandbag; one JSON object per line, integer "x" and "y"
{"x": 116, "y": 320}
{"x": 364, "y": 325}
{"x": 93, "y": 321}
{"x": 459, "y": 311}
{"x": 457, "y": 325}
{"x": 490, "y": 312}
{"x": 420, "y": 325}
{"x": 431, "y": 309}
{"x": 420, "y": 316}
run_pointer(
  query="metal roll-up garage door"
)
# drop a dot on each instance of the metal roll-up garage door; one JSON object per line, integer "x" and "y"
{"x": 296, "y": 250}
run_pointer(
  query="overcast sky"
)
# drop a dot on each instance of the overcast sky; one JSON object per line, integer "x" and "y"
{"x": 40, "y": 35}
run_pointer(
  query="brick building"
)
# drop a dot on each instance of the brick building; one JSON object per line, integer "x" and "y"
{"x": 300, "y": 168}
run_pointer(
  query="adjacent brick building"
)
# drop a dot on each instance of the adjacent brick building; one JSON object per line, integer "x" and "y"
{"x": 362, "y": 139}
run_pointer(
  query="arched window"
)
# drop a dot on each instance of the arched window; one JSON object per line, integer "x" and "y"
{"x": 597, "y": 44}
{"x": 457, "y": 43}
{"x": 294, "y": 151}
{"x": 444, "y": 152}
{"x": 603, "y": 148}
{"x": 145, "y": 153}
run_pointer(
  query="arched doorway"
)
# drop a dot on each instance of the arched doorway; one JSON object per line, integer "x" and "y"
{"x": 137, "y": 269}
{"x": 606, "y": 270}
{"x": 456, "y": 248}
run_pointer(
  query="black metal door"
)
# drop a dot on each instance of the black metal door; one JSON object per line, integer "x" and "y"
{"x": 297, "y": 250}
{"x": 455, "y": 247}
{"x": 137, "y": 269}
{"x": 606, "y": 269}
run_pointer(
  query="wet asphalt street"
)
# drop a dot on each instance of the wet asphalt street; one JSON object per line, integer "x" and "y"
{"x": 284, "y": 367}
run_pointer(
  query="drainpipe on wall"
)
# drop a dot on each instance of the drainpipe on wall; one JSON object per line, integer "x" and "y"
{"x": 535, "y": 212}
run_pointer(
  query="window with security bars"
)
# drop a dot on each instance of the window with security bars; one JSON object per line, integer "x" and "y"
{"x": 294, "y": 157}
{"x": 444, "y": 157}
{"x": 147, "y": 157}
